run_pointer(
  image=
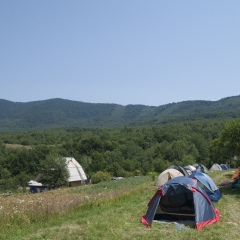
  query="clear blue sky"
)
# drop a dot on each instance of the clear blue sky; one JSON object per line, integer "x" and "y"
{"x": 150, "y": 52}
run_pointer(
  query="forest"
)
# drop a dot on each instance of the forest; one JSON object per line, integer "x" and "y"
{"x": 62, "y": 113}
{"x": 126, "y": 151}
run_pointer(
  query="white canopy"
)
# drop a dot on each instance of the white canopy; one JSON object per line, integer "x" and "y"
{"x": 34, "y": 183}
{"x": 166, "y": 176}
{"x": 75, "y": 170}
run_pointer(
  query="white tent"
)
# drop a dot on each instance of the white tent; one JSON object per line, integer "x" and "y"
{"x": 34, "y": 183}
{"x": 77, "y": 175}
{"x": 76, "y": 172}
{"x": 190, "y": 168}
{"x": 215, "y": 167}
{"x": 166, "y": 176}
{"x": 36, "y": 187}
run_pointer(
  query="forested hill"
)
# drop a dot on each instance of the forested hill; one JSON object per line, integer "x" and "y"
{"x": 54, "y": 113}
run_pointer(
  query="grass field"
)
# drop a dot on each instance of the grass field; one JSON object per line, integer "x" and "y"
{"x": 108, "y": 211}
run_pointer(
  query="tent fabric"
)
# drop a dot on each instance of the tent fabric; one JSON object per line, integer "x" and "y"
{"x": 215, "y": 197}
{"x": 224, "y": 167}
{"x": 235, "y": 174}
{"x": 167, "y": 175}
{"x": 34, "y": 183}
{"x": 181, "y": 198}
{"x": 208, "y": 185}
{"x": 190, "y": 169}
{"x": 76, "y": 172}
{"x": 200, "y": 167}
{"x": 215, "y": 167}
{"x": 179, "y": 168}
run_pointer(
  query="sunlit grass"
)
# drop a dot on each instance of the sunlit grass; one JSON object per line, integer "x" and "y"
{"x": 24, "y": 210}
{"x": 108, "y": 211}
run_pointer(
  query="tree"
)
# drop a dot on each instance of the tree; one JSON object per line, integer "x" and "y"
{"x": 230, "y": 138}
{"x": 202, "y": 146}
{"x": 54, "y": 172}
{"x": 98, "y": 162}
{"x": 22, "y": 179}
{"x": 160, "y": 165}
{"x": 86, "y": 162}
{"x": 101, "y": 176}
{"x": 219, "y": 153}
{"x": 6, "y": 181}
{"x": 115, "y": 169}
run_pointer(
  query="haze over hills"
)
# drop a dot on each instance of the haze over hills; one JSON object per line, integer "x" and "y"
{"x": 53, "y": 113}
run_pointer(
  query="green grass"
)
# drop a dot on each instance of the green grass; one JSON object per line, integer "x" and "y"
{"x": 113, "y": 210}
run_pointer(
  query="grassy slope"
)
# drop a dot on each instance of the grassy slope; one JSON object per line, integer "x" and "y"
{"x": 113, "y": 210}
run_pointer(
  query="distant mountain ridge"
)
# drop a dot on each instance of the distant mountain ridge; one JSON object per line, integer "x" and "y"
{"x": 59, "y": 112}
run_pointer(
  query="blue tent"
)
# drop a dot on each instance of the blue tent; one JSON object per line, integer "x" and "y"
{"x": 224, "y": 167}
{"x": 208, "y": 185}
{"x": 180, "y": 199}
{"x": 200, "y": 168}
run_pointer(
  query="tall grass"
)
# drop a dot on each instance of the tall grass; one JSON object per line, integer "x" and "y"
{"x": 24, "y": 210}
{"x": 107, "y": 211}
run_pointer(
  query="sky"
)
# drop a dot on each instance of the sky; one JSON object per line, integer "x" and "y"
{"x": 150, "y": 52}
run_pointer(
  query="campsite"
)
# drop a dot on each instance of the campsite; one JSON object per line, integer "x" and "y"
{"x": 109, "y": 210}
{"x": 119, "y": 120}
{"x": 133, "y": 158}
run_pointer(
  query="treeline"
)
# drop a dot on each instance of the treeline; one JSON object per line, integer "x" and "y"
{"x": 126, "y": 151}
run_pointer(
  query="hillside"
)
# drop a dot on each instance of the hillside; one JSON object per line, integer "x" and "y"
{"x": 54, "y": 113}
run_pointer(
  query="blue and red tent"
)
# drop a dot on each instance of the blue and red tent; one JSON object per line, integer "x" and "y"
{"x": 181, "y": 199}
{"x": 208, "y": 185}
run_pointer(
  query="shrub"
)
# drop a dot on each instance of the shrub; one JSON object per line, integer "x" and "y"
{"x": 101, "y": 177}
{"x": 154, "y": 175}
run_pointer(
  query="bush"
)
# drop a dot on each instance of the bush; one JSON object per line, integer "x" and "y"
{"x": 154, "y": 175}
{"x": 101, "y": 177}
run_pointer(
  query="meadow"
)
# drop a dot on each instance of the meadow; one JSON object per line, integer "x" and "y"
{"x": 109, "y": 210}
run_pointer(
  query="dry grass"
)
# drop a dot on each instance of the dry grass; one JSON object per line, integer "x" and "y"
{"x": 26, "y": 209}
{"x": 107, "y": 211}
{"x": 8, "y": 145}
{"x": 29, "y": 208}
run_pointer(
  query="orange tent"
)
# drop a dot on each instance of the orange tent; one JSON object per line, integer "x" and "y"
{"x": 234, "y": 176}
